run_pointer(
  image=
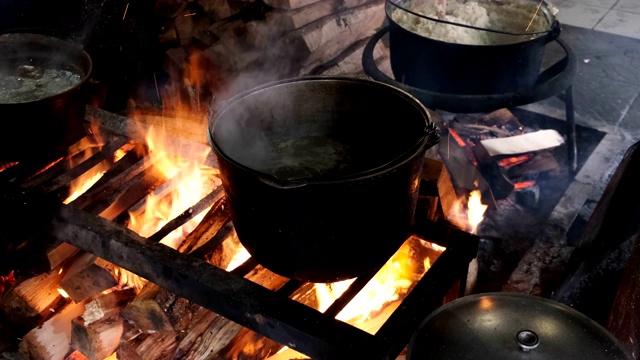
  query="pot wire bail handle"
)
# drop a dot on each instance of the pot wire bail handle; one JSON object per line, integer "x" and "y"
{"x": 552, "y": 28}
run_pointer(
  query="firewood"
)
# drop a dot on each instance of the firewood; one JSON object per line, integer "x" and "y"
{"x": 97, "y": 333}
{"x": 287, "y": 20}
{"x": 218, "y": 215}
{"x": 219, "y": 333}
{"x": 250, "y": 345}
{"x": 220, "y": 9}
{"x": 157, "y": 346}
{"x": 50, "y": 341}
{"x": 146, "y": 310}
{"x": 350, "y": 61}
{"x": 29, "y": 303}
{"x": 211, "y": 333}
{"x": 88, "y": 282}
{"x": 99, "y": 338}
{"x": 59, "y": 252}
{"x": 126, "y": 352}
{"x": 289, "y": 4}
{"x": 326, "y": 38}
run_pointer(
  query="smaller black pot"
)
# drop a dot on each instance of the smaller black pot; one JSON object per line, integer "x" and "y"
{"x": 452, "y": 68}
{"x": 316, "y": 222}
{"x": 511, "y": 326}
{"x": 49, "y": 121}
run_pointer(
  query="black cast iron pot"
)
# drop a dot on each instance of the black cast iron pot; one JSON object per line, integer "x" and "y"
{"x": 454, "y": 68}
{"x": 42, "y": 103}
{"x": 322, "y": 173}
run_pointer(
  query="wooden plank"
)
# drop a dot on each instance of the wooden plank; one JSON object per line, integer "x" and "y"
{"x": 350, "y": 61}
{"x": 287, "y": 20}
{"x": 327, "y": 38}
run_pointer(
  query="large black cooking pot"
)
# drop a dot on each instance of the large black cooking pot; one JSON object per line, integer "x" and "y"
{"x": 42, "y": 104}
{"x": 511, "y": 64}
{"x": 322, "y": 173}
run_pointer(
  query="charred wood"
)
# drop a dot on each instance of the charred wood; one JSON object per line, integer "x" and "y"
{"x": 208, "y": 232}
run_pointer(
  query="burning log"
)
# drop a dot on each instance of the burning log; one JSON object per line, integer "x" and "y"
{"x": 50, "y": 341}
{"x": 146, "y": 310}
{"x": 88, "y": 282}
{"x": 96, "y": 334}
{"x": 218, "y": 215}
{"x": 250, "y": 345}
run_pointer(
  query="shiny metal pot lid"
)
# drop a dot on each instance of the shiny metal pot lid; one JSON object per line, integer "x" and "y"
{"x": 511, "y": 326}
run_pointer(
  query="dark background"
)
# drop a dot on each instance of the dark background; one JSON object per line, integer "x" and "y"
{"x": 124, "y": 51}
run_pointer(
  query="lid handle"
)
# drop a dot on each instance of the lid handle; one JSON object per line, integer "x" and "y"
{"x": 527, "y": 340}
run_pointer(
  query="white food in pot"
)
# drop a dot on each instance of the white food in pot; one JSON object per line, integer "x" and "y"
{"x": 511, "y": 17}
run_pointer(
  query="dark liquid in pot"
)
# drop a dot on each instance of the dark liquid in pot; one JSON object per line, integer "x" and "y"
{"x": 307, "y": 157}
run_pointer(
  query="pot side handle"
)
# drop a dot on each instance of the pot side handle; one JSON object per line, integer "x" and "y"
{"x": 554, "y": 32}
{"x": 281, "y": 184}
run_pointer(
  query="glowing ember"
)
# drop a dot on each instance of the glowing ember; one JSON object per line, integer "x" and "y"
{"x": 524, "y": 184}
{"x": 7, "y": 281}
{"x": 457, "y": 137}
{"x": 514, "y": 160}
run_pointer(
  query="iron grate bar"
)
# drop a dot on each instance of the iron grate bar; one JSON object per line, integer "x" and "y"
{"x": 240, "y": 300}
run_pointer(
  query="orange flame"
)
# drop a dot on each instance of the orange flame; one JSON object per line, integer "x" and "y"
{"x": 373, "y": 305}
{"x": 63, "y": 293}
{"x": 85, "y": 181}
{"x": 469, "y": 215}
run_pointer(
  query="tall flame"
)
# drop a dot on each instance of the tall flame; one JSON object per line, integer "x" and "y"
{"x": 85, "y": 181}
{"x": 468, "y": 212}
{"x": 373, "y": 305}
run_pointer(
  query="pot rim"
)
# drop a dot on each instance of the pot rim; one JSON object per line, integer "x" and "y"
{"x": 430, "y": 136}
{"x": 551, "y": 33}
{"x": 64, "y": 43}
